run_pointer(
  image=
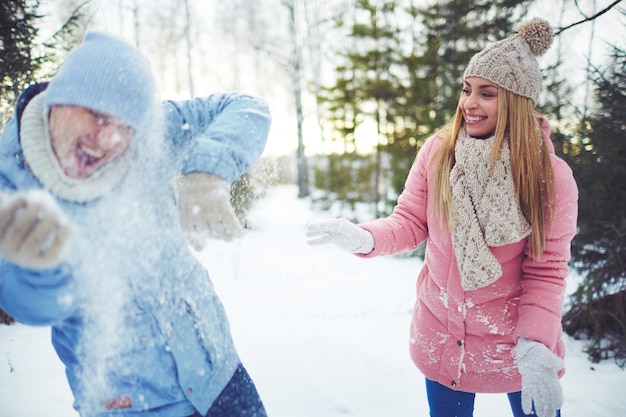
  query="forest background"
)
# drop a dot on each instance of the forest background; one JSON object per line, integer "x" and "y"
{"x": 356, "y": 86}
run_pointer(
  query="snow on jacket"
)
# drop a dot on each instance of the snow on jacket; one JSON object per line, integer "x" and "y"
{"x": 133, "y": 313}
{"x": 464, "y": 339}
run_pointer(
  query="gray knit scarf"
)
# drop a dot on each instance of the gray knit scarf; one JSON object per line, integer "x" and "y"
{"x": 486, "y": 210}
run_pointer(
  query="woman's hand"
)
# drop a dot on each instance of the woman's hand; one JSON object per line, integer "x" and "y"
{"x": 342, "y": 233}
{"x": 539, "y": 369}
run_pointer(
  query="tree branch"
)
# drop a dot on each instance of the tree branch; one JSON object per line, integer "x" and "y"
{"x": 587, "y": 19}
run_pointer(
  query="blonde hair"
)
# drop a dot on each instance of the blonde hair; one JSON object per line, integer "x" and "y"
{"x": 519, "y": 125}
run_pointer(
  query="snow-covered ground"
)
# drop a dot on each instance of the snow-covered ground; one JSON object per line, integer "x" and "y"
{"x": 323, "y": 333}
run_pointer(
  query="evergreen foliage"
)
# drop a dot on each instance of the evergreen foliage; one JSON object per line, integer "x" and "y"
{"x": 598, "y": 310}
{"x": 347, "y": 178}
{"x": 367, "y": 83}
{"x": 18, "y": 59}
{"x": 252, "y": 185}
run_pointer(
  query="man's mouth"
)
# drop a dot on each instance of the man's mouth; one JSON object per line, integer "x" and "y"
{"x": 88, "y": 156}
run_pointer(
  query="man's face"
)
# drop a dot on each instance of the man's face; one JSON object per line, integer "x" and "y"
{"x": 83, "y": 140}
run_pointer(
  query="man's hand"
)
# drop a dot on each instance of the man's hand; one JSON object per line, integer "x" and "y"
{"x": 205, "y": 209}
{"x": 341, "y": 232}
{"x": 34, "y": 233}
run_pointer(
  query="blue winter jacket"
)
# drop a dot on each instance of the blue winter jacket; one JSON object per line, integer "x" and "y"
{"x": 134, "y": 315}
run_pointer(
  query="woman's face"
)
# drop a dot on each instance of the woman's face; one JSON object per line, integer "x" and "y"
{"x": 83, "y": 140}
{"x": 479, "y": 105}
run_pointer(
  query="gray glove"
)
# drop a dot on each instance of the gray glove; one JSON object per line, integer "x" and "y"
{"x": 34, "y": 233}
{"x": 538, "y": 367}
{"x": 205, "y": 209}
{"x": 341, "y": 232}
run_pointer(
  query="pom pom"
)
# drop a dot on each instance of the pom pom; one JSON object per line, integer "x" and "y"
{"x": 538, "y": 33}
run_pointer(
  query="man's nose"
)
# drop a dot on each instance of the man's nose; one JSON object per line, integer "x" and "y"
{"x": 108, "y": 137}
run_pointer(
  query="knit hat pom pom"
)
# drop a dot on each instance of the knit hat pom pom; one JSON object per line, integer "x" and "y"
{"x": 538, "y": 33}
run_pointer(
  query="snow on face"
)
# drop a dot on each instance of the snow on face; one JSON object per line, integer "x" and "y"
{"x": 84, "y": 140}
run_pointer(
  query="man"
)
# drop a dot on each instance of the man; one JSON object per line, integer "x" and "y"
{"x": 102, "y": 188}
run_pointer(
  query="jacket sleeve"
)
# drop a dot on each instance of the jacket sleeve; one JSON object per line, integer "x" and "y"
{"x": 544, "y": 280}
{"x": 30, "y": 296}
{"x": 223, "y": 134}
{"x": 36, "y": 297}
{"x": 406, "y": 228}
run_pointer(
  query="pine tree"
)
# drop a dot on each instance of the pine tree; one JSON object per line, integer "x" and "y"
{"x": 598, "y": 308}
{"x": 366, "y": 86}
{"x": 18, "y": 60}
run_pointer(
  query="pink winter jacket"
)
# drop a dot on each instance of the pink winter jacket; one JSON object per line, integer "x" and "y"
{"x": 465, "y": 339}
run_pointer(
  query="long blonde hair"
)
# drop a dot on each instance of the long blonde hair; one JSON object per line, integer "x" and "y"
{"x": 518, "y": 124}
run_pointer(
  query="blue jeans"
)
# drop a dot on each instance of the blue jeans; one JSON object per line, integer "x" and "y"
{"x": 238, "y": 399}
{"x": 446, "y": 402}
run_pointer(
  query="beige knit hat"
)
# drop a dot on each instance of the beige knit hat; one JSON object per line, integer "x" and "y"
{"x": 511, "y": 63}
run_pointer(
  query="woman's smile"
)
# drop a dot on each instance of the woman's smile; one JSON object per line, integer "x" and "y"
{"x": 479, "y": 105}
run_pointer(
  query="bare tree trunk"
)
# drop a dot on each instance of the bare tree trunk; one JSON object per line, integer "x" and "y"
{"x": 136, "y": 22}
{"x": 589, "y": 66}
{"x": 120, "y": 17}
{"x": 314, "y": 37}
{"x": 295, "y": 68}
{"x": 188, "y": 42}
{"x": 230, "y": 11}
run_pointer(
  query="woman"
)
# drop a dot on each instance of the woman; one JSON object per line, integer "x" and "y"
{"x": 498, "y": 210}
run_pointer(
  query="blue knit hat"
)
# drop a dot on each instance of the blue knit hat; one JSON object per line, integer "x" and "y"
{"x": 107, "y": 75}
